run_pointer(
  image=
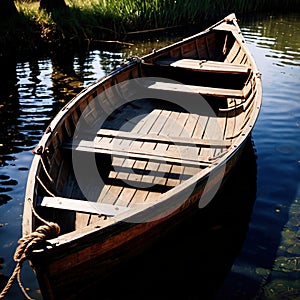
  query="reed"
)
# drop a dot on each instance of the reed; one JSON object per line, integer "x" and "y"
{"x": 150, "y": 13}
{"x": 112, "y": 19}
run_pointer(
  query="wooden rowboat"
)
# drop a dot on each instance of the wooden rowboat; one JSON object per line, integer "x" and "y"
{"x": 136, "y": 153}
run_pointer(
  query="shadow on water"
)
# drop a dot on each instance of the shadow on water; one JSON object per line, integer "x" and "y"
{"x": 193, "y": 260}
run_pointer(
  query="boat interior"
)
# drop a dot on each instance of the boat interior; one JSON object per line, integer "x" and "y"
{"x": 143, "y": 147}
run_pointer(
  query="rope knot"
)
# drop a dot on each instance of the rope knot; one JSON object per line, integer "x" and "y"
{"x": 35, "y": 239}
{"x": 50, "y": 230}
{"x": 27, "y": 243}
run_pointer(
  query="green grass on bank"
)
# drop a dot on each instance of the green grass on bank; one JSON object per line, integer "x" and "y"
{"x": 87, "y": 20}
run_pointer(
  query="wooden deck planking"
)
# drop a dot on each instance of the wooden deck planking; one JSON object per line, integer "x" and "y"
{"x": 163, "y": 123}
{"x": 175, "y": 176}
{"x": 161, "y": 126}
{"x": 170, "y": 128}
{"x": 216, "y": 130}
{"x": 121, "y": 164}
{"x": 126, "y": 196}
{"x": 147, "y": 122}
{"x": 112, "y": 194}
{"x": 189, "y": 122}
{"x": 139, "y": 197}
{"x": 137, "y": 169}
{"x": 152, "y": 197}
{"x": 178, "y": 173}
{"x": 155, "y": 176}
{"x": 155, "y": 138}
{"x": 143, "y": 128}
{"x": 152, "y": 118}
{"x": 195, "y": 128}
{"x": 150, "y": 168}
{"x": 164, "y": 128}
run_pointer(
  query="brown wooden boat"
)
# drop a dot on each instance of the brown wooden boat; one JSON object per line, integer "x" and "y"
{"x": 136, "y": 153}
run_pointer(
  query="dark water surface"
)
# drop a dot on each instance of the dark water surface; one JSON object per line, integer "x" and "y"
{"x": 244, "y": 245}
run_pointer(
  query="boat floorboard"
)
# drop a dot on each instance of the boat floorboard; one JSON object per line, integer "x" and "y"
{"x": 146, "y": 179}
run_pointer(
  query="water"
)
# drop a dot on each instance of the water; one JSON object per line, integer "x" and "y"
{"x": 243, "y": 246}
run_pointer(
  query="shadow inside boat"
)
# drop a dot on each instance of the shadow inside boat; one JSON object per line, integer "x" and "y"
{"x": 193, "y": 260}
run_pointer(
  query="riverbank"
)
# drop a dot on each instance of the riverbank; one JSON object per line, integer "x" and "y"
{"x": 113, "y": 23}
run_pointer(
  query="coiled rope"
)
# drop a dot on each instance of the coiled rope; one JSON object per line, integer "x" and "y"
{"x": 28, "y": 243}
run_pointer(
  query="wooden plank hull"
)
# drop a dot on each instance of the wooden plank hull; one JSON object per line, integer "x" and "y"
{"x": 136, "y": 153}
{"x": 99, "y": 254}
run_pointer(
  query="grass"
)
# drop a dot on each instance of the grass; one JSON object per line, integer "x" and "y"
{"x": 87, "y": 20}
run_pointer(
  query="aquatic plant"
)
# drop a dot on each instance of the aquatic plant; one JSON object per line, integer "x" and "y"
{"x": 90, "y": 20}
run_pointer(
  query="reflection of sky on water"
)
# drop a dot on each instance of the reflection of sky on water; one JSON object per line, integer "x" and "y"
{"x": 275, "y": 44}
{"x": 281, "y": 36}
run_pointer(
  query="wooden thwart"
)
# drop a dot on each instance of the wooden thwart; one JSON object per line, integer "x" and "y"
{"x": 115, "y": 150}
{"x": 205, "y": 65}
{"x": 83, "y": 206}
{"x": 174, "y": 152}
{"x": 193, "y": 89}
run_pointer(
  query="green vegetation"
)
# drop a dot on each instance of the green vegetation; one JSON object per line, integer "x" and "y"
{"x": 84, "y": 21}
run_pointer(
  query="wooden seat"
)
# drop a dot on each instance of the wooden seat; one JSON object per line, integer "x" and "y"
{"x": 83, "y": 206}
{"x": 195, "y": 89}
{"x": 137, "y": 154}
{"x": 182, "y": 154}
{"x": 204, "y": 65}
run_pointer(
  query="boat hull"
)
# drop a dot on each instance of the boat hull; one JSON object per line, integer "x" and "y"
{"x": 164, "y": 175}
{"x": 70, "y": 271}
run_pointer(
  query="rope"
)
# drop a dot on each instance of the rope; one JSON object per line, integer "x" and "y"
{"x": 45, "y": 188}
{"x": 46, "y": 171}
{"x": 28, "y": 243}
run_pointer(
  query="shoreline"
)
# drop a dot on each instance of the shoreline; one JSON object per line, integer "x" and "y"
{"x": 34, "y": 31}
